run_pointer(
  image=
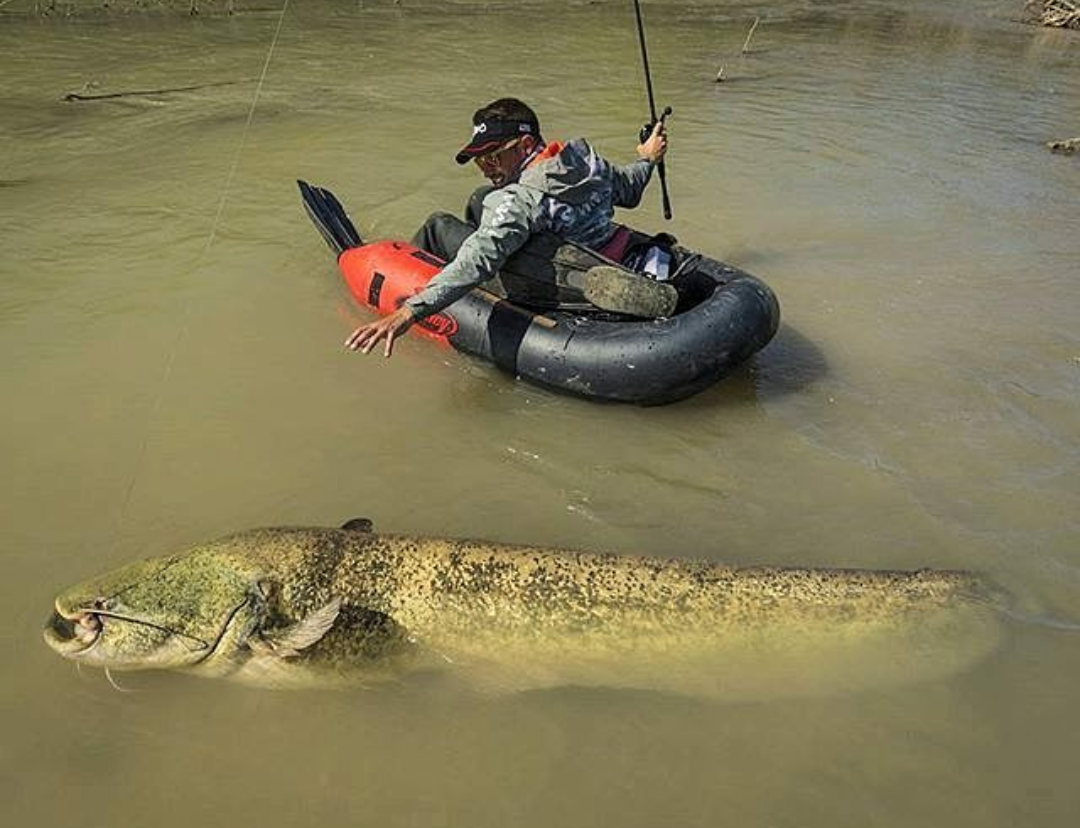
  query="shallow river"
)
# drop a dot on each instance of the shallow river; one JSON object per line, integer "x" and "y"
{"x": 170, "y": 339}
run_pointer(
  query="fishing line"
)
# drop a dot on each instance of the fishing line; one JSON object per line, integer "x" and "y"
{"x": 1049, "y": 622}
{"x": 247, "y": 126}
{"x": 183, "y": 326}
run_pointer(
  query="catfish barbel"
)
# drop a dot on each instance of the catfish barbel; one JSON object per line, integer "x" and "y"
{"x": 316, "y": 606}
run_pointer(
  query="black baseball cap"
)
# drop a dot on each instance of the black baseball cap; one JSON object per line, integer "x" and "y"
{"x": 489, "y": 133}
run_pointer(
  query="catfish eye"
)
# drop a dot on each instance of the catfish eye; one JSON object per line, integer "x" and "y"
{"x": 100, "y": 604}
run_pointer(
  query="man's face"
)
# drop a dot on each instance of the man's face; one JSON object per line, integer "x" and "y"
{"x": 500, "y": 165}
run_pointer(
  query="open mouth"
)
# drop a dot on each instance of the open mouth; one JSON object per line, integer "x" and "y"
{"x": 73, "y": 634}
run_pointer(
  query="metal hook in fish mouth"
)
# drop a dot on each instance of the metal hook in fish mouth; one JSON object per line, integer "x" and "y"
{"x": 75, "y": 633}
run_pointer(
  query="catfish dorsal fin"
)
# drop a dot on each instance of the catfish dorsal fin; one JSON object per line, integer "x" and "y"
{"x": 306, "y": 631}
{"x": 358, "y": 525}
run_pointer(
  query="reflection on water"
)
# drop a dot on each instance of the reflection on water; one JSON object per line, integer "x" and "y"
{"x": 170, "y": 326}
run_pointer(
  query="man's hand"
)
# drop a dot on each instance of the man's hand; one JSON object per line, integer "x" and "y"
{"x": 655, "y": 145}
{"x": 366, "y": 337}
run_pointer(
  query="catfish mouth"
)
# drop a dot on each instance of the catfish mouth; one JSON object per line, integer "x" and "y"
{"x": 74, "y": 634}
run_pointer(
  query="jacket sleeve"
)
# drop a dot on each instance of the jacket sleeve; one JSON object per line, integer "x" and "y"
{"x": 507, "y": 221}
{"x": 629, "y": 182}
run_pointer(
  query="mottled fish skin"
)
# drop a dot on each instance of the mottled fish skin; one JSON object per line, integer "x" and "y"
{"x": 287, "y": 606}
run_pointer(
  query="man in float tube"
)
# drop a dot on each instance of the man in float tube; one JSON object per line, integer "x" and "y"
{"x": 567, "y": 189}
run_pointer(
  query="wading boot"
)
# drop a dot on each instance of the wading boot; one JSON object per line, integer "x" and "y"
{"x": 623, "y": 291}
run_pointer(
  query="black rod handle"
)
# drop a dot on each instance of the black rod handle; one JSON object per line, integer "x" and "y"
{"x": 661, "y": 169}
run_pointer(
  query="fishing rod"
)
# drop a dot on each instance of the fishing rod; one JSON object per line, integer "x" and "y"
{"x": 648, "y": 128}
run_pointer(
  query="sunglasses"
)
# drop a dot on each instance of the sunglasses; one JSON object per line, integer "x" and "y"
{"x": 493, "y": 157}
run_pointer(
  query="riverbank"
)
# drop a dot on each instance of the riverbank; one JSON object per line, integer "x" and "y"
{"x": 1054, "y": 13}
{"x": 86, "y": 8}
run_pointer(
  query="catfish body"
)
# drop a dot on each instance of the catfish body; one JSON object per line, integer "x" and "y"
{"x": 301, "y": 606}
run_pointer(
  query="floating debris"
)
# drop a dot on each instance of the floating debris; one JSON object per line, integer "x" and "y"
{"x": 745, "y": 48}
{"x": 746, "y": 44}
{"x": 1062, "y": 14}
{"x": 1065, "y": 147}
{"x": 142, "y": 93}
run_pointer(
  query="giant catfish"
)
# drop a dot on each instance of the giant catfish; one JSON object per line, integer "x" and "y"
{"x": 293, "y": 607}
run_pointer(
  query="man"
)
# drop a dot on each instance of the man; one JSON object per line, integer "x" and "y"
{"x": 566, "y": 189}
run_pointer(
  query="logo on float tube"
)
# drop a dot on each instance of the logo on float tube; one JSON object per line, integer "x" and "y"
{"x": 442, "y": 324}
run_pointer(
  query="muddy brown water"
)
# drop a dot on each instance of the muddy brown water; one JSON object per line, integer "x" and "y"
{"x": 171, "y": 328}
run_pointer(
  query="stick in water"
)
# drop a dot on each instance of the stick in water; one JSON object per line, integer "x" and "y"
{"x": 136, "y": 93}
{"x": 746, "y": 45}
{"x": 745, "y": 48}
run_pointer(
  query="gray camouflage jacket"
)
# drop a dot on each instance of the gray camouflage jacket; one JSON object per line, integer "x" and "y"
{"x": 572, "y": 194}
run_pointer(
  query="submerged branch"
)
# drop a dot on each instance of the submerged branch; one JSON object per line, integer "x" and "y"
{"x": 136, "y": 93}
{"x": 745, "y": 48}
{"x": 1063, "y": 14}
{"x": 746, "y": 44}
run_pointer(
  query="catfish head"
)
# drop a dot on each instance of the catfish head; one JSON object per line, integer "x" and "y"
{"x": 205, "y": 610}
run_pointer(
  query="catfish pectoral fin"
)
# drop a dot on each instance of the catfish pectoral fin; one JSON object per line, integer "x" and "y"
{"x": 304, "y": 633}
